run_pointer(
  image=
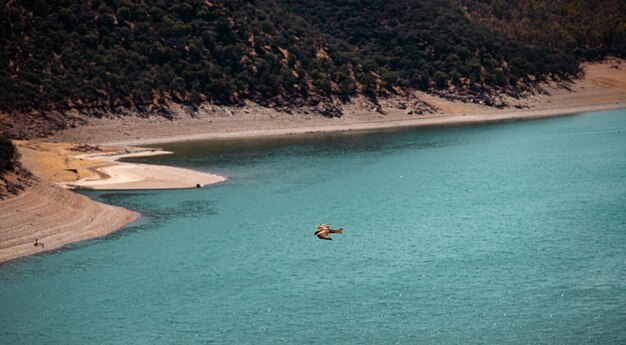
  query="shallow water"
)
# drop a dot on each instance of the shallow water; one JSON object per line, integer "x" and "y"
{"x": 510, "y": 233}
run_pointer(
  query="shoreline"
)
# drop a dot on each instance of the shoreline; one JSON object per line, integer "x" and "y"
{"x": 603, "y": 87}
{"x": 58, "y": 216}
{"x": 440, "y": 120}
{"x": 115, "y": 175}
{"x": 55, "y": 217}
{"x": 48, "y": 212}
{"x": 98, "y": 167}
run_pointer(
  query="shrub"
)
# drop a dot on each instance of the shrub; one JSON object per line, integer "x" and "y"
{"x": 8, "y": 155}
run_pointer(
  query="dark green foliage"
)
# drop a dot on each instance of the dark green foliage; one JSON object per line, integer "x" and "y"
{"x": 8, "y": 155}
{"x": 66, "y": 54}
{"x": 431, "y": 44}
{"x": 588, "y": 29}
{"x": 117, "y": 53}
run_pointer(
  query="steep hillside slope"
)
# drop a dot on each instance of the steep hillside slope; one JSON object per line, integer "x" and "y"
{"x": 107, "y": 57}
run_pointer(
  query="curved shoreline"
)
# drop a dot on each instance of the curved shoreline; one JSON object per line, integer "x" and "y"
{"x": 603, "y": 87}
{"x": 115, "y": 175}
{"x": 424, "y": 121}
{"x": 49, "y": 214}
{"x": 55, "y": 217}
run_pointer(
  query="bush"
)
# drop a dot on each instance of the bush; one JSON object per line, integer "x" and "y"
{"x": 8, "y": 155}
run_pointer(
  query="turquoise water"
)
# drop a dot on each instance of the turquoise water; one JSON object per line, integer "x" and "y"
{"x": 512, "y": 233}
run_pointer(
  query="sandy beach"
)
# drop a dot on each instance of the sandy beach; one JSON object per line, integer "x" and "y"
{"x": 56, "y": 216}
{"x": 114, "y": 175}
{"x": 101, "y": 170}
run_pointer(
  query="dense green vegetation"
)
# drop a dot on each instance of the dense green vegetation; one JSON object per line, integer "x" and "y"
{"x": 588, "y": 29}
{"x": 8, "y": 155}
{"x": 142, "y": 54}
{"x": 432, "y": 44}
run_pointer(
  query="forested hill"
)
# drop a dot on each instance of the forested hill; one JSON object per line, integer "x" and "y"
{"x": 589, "y": 29}
{"x": 91, "y": 54}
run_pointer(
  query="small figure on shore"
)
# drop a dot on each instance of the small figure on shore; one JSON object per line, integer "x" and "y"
{"x": 324, "y": 229}
{"x": 198, "y": 185}
{"x": 37, "y": 243}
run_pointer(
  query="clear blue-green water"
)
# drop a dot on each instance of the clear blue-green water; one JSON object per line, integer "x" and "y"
{"x": 512, "y": 233}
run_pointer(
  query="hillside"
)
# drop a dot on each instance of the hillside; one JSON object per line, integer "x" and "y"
{"x": 103, "y": 57}
{"x": 586, "y": 29}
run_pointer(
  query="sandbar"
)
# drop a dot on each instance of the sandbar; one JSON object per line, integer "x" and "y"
{"x": 115, "y": 175}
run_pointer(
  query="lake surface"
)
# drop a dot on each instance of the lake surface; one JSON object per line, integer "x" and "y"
{"x": 510, "y": 233}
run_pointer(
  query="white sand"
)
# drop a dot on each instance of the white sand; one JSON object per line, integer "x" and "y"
{"x": 119, "y": 175}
